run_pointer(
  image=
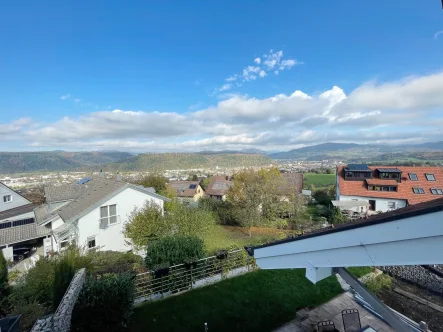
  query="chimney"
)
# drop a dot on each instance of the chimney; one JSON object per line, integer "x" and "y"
{"x": 101, "y": 174}
{"x": 118, "y": 177}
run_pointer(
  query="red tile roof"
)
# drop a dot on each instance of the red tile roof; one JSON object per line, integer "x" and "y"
{"x": 404, "y": 191}
{"x": 380, "y": 182}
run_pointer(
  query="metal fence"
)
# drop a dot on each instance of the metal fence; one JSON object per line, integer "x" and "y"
{"x": 160, "y": 283}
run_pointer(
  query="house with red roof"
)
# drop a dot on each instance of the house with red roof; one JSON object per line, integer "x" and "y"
{"x": 387, "y": 188}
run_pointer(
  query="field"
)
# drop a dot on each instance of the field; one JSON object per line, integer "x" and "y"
{"x": 255, "y": 302}
{"x": 318, "y": 180}
{"x": 226, "y": 237}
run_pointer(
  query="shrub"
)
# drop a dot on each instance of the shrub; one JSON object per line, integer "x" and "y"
{"x": 174, "y": 250}
{"x": 221, "y": 210}
{"x": 30, "y": 312}
{"x": 64, "y": 271}
{"x": 116, "y": 262}
{"x": 322, "y": 197}
{"x": 3, "y": 271}
{"x": 104, "y": 304}
{"x": 378, "y": 284}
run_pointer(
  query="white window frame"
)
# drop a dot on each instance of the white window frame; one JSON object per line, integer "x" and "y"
{"x": 394, "y": 204}
{"x": 109, "y": 216}
{"x": 89, "y": 239}
{"x": 7, "y": 201}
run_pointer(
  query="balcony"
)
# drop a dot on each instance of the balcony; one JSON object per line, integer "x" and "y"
{"x": 357, "y": 176}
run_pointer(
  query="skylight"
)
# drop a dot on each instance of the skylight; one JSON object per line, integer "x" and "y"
{"x": 430, "y": 177}
{"x": 436, "y": 191}
{"x": 418, "y": 190}
{"x": 413, "y": 177}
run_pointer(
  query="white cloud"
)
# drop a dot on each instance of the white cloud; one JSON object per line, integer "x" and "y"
{"x": 77, "y": 100}
{"x": 257, "y": 60}
{"x": 438, "y": 33}
{"x": 249, "y": 71}
{"x": 65, "y": 97}
{"x": 225, "y": 87}
{"x": 407, "y": 110}
{"x": 262, "y": 73}
{"x": 232, "y": 78}
{"x": 276, "y": 72}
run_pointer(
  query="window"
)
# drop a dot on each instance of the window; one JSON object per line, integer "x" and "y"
{"x": 413, "y": 177}
{"x": 391, "y": 205}
{"x": 108, "y": 214}
{"x": 382, "y": 188}
{"x": 436, "y": 191}
{"x": 91, "y": 242}
{"x": 430, "y": 177}
{"x": 418, "y": 190}
{"x": 7, "y": 198}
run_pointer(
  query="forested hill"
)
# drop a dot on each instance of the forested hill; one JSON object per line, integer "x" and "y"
{"x": 163, "y": 161}
{"x": 52, "y": 161}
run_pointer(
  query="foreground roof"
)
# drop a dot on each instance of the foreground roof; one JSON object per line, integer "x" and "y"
{"x": 409, "y": 236}
{"x": 406, "y": 212}
{"x": 405, "y": 187}
{"x": 184, "y": 188}
{"x": 64, "y": 192}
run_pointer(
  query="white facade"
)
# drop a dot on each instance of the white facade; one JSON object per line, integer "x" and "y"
{"x": 111, "y": 237}
{"x": 9, "y": 199}
{"x": 381, "y": 204}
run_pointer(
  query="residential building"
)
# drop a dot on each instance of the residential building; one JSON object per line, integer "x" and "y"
{"x": 218, "y": 187}
{"x": 93, "y": 212}
{"x": 292, "y": 182}
{"x": 10, "y": 199}
{"x": 387, "y": 188}
{"x": 190, "y": 191}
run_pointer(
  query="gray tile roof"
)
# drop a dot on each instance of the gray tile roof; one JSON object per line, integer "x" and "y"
{"x": 98, "y": 190}
{"x": 64, "y": 192}
{"x": 16, "y": 211}
{"x": 22, "y": 233}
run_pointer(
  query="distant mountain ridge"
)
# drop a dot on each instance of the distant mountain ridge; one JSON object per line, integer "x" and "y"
{"x": 354, "y": 151}
{"x": 54, "y": 161}
{"x": 166, "y": 161}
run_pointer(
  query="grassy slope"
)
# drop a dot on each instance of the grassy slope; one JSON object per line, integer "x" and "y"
{"x": 360, "y": 271}
{"x": 318, "y": 180}
{"x": 255, "y": 302}
{"x": 225, "y": 237}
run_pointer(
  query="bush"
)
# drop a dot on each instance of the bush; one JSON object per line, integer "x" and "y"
{"x": 378, "y": 284}
{"x": 3, "y": 271}
{"x": 222, "y": 210}
{"x": 322, "y": 197}
{"x": 174, "y": 250}
{"x": 30, "y": 312}
{"x": 104, "y": 304}
{"x": 64, "y": 271}
{"x": 116, "y": 262}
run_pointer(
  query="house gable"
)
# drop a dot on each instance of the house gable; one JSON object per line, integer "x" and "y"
{"x": 10, "y": 199}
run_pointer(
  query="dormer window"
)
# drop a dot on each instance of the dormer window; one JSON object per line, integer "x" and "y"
{"x": 418, "y": 190}
{"x": 430, "y": 177}
{"x": 436, "y": 191}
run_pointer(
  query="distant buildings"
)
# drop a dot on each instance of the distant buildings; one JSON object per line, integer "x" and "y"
{"x": 190, "y": 191}
{"x": 386, "y": 188}
{"x": 219, "y": 186}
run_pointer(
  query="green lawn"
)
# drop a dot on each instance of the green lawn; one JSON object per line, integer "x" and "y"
{"x": 257, "y": 301}
{"x": 226, "y": 237}
{"x": 318, "y": 180}
{"x": 360, "y": 271}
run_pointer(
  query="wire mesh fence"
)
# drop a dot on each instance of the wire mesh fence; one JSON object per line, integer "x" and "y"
{"x": 160, "y": 283}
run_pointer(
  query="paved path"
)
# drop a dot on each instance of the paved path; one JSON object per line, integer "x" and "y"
{"x": 306, "y": 320}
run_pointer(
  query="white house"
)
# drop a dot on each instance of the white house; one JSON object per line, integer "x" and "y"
{"x": 386, "y": 188}
{"x": 93, "y": 212}
{"x": 9, "y": 199}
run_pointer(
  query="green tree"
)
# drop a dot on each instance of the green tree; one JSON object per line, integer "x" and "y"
{"x": 193, "y": 177}
{"x": 3, "y": 271}
{"x": 322, "y": 197}
{"x": 312, "y": 188}
{"x": 149, "y": 224}
{"x": 145, "y": 224}
{"x": 154, "y": 180}
{"x": 337, "y": 217}
{"x": 205, "y": 183}
{"x": 172, "y": 250}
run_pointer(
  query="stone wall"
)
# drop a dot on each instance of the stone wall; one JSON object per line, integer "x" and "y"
{"x": 417, "y": 275}
{"x": 60, "y": 321}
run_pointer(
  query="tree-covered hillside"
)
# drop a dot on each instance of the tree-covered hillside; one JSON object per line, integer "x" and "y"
{"x": 163, "y": 161}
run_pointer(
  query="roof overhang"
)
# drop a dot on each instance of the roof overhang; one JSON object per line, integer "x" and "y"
{"x": 408, "y": 240}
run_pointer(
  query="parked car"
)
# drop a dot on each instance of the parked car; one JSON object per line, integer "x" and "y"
{"x": 21, "y": 253}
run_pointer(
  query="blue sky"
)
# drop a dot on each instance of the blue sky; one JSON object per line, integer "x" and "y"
{"x": 188, "y": 76}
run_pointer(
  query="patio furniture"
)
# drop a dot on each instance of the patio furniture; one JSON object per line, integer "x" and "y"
{"x": 351, "y": 320}
{"x": 326, "y": 326}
